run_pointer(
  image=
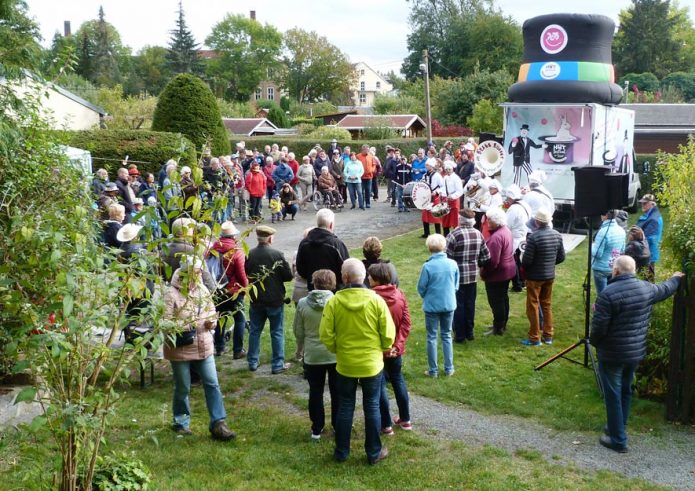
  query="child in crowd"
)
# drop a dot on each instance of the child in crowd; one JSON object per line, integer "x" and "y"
{"x": 275, "y": 207}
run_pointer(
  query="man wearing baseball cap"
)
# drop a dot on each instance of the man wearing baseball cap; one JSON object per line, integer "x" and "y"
{"x": 652, "y": 224}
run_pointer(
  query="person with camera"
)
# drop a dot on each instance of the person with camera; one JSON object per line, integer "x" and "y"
{"x": 188, "y": 304}
{"x": 608, "y": 244}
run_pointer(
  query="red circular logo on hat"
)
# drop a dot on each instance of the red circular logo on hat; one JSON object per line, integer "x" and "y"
{"x": 553, "y": 39}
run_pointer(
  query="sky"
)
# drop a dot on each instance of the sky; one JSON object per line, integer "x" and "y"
{"x": 372, "y": 31}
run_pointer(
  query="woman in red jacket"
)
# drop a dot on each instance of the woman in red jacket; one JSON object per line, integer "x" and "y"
{"x": 256, "y": 186}
{"x": 232, "y": 301}
{"x": 499, "y": 270}
{"x": 268, "y": 170}
{"x": 379, "y": 275}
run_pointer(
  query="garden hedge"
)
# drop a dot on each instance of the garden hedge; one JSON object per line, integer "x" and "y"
{"x": 187, "y": 106}
{"x": 149, "y": 149}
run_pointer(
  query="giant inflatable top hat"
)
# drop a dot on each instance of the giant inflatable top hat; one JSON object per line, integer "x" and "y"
{"x": 567, "y": 58}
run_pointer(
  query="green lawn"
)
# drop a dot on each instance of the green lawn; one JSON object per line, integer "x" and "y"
{"x": 494, "y": 375}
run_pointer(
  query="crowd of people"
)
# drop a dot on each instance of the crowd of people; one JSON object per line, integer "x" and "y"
{"x": 352, "y": 321}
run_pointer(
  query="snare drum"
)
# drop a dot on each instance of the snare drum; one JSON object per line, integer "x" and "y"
{"x": 417, "y": 194}
{"x": 439, "y": 210}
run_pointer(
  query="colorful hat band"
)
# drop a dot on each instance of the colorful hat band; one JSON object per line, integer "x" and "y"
{"x": 584, "y": 71}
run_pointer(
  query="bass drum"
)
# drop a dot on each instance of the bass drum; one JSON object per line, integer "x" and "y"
{"x": 417, "y": 194}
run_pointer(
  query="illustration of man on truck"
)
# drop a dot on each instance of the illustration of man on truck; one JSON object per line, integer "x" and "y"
{"x": 520, "y": 149}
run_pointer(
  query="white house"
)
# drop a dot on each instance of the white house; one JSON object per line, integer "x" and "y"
{"x": 368, "y": 84}
{"x": 62, "y": 108}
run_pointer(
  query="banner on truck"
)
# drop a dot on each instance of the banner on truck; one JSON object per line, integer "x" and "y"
{"x": 549, "y": 138}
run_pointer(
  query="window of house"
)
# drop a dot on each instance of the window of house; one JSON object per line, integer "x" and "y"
{"x": 363, "y": 98}
{"x": 271, "y": 93}
{"x": 362, "y": 72}
{"x": 258, "y": 94}
{"x": 362, "y": 85}
{"x": 378, "y": 85}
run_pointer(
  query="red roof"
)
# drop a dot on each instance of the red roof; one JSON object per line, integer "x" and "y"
{"x": 395, "y": 121}
{"x": 248, "y": 126}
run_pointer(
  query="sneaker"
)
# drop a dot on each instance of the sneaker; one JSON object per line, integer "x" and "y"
{"x": 388, "y": 431}
{"x": 429, "y": 374}
{"x": 547, "y": 340}
{"x": 238, "y": 355}
{"x": 382, "y": 455}
{"x": 451, "y": 373}
{"x": 252, "y": 368}
{"x": 608, "y": 443}
{"x": 283, "y": 369}
{"x": 315, "y": 437}
{"x": 404, "y": 425}
{"x": 528, "y": 342}
{"x": 221, "y": 432}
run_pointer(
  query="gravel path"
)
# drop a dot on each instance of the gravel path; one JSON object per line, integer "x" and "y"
{"x": 667, "y": 460}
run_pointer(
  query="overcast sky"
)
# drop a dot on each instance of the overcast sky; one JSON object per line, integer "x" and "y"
{"x": 373, "y": 31}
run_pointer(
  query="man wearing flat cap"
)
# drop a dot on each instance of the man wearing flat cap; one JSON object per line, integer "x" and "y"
{"x": 267, "y": 269}
{"x": 652, "y": 224}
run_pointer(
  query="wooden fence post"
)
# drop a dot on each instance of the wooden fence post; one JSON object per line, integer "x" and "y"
{"x": 680, "y": 399}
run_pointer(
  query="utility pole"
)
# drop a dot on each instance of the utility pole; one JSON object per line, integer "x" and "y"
{"x": 426, "y": 71}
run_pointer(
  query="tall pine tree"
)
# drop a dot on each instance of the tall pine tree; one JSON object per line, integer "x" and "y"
{"x": 182, "y": 56}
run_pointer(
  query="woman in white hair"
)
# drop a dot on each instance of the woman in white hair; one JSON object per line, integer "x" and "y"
{"x": 188, "y": 305}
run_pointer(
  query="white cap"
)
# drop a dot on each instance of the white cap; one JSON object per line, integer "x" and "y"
{"x": 185, "y": 169}
{"x": 537, "y": 176}
{"x": 513, "y": 192}
{"x": 128, "y": 232}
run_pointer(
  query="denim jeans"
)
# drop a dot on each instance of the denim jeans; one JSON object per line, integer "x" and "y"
{"x": 398, "y": 197}
{"x": 439, "y": 321}
{"x": 393, "y": 373}
{"x": 355, "y": 189}
{"x": 616, "y": 379}
{"x": 237, "y": 307}
{"x": 390, "y": 190}
{"x": 258, "y": 314}
{"x": 316, "y": 376}
{"x": 290, "y": 210}
{"x": 367, "y": 191}
{"x": 464, "y": 315}
{"x": 182, "y": 388}
{"x": 601, "y": 280}
{"x": 347, "y": 389}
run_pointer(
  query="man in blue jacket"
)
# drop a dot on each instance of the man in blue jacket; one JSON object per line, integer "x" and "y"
{"x": 619, "y": 333}
{"x": 652, "y": 224}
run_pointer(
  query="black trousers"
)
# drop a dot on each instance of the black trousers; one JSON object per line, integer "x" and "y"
{"x": 498, "y": 298}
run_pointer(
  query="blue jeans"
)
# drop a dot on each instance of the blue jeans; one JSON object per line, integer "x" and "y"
{"x": 316, "y": 376}
{"x": 398, "y": 192}
{"x": 367, "y": 191}
{"x": 236, "y": 308}
{"x": 393, "y": 373}
{"x": 616, "y": 379}
{"x": 355, "y": 189}
{"x": 347, "y": 389}
{"x": 182, "y": 388}
{"x": 464, "y": 315}
{"x": 601, "y": 280}
{"x": 258, "y": 314}
{"x": 439, "y": 321}
{"x": 290, "y": 209}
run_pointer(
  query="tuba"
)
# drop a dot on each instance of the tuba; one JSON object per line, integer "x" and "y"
{"x": 489, "y": 157}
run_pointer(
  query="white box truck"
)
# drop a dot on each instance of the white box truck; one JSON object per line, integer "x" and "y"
{"x": 556, "y": 137}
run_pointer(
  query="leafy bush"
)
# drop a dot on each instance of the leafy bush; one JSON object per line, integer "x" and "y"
{"x": 327, "y": 133}
{"x": 398, "y": 104}
{"x": 187, "y": 106}
{"x": 450, "y": 130}
{"x": 646, "y": 81}
{"x": 276, "y": 114}
{"x": 126, "y": 113}
{"x": 117, "y": 472}
{"x": 487, "y": 116}
{"x": 311, "y": 109}
{"x": 149, "y": 149}
{"x": 235, "y": 109}
{"x": 458, "y": 101}
{"x": 379, "y": 129}
{"x": 683, "y": 81}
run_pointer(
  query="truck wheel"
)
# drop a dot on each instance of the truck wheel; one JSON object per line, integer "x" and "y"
{"x": 634, "y": 208}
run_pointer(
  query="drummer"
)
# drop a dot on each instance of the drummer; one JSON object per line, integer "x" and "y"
{"x": 454, "y": 190}
{"x": 436, "y": 183}
{"x": 403, "y": 176}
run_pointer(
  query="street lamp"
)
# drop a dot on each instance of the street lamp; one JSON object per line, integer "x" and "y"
{"x": 424, "y": 67}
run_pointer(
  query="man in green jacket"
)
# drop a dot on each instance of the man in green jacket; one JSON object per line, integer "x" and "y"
{"x": 357, "y": 327}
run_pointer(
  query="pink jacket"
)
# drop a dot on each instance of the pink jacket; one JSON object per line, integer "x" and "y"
{"x": 501, "y": 266}
{"x": 188, "y": 312}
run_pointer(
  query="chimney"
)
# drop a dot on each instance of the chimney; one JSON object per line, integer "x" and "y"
{"x": 252, "y": 14}
{"x": 66, "y": 28}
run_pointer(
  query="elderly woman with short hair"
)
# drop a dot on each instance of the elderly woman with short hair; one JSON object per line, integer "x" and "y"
{"x": 439, "y": 279}
{"x": 499, "y": 271}
{"x": 113, "y": 225}
{"x": 371, "y": 249}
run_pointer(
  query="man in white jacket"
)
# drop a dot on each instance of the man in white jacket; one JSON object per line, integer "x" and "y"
{"x": 518, "y": 214}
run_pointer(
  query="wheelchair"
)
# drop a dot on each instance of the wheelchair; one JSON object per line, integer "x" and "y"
{"x": 325, "y": 199}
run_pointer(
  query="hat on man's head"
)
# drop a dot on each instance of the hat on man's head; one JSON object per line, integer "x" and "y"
{"x": 128, "y": 232}
{"x": 543, "y": 215}
{"x": 513, "y": 192}
{"x": 494, "y": 183}
{"x": 336, "y": 151}
{"x": 228, "y": 229}
{"x": 234, "y": 156}
{"x": 647, "y": 198}
{"x": 449, "y": 165}
{"x": 265, "y": 231}
{"x": 138, "y": 201}
{"x": 334, "y": 140}
{"x": 524, "y": 126}
{"x": 133, "y": 171}
{"x": 110, "y": 187}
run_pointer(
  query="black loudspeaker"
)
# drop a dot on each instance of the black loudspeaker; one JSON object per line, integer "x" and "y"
{"x": 590, "y": 197}
{"x": 616, "y": 190}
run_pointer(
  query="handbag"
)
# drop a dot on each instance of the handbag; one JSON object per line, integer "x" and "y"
{"x": 185, "y": 338}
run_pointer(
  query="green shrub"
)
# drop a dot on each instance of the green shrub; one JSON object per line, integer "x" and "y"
{"x": 646, "y": 81}
{"x": 276, "y": 114}
{"x": 330, "y": 132}
{"x": 487, "y": 116}
{"x": 187, "y": 106}
{"x": 149, "y": 149}
{"x": 116, "y": 472}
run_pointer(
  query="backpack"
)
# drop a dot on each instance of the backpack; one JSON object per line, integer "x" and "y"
{"x": 216, "y": 269}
